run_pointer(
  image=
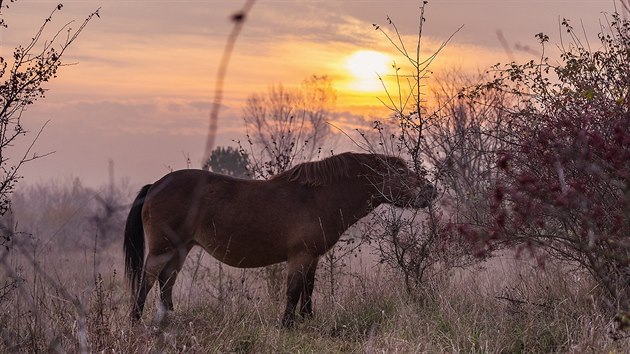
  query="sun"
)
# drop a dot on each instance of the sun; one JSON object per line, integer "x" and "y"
{"x": 365, "y": 66}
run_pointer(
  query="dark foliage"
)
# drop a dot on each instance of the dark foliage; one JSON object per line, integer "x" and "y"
{"x": 565, "y": 185}
{"x": 229, "y": 161}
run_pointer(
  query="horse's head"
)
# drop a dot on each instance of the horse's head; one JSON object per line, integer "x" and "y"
{"x": 397, "y": 184}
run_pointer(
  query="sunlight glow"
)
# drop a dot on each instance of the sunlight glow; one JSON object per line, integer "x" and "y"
{"x": 365, "y": 66}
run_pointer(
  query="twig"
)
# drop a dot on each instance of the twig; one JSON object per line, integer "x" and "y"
{"x": 239, "y": 20}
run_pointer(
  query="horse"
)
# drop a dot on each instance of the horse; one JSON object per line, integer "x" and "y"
{"x": 295, "y": 216}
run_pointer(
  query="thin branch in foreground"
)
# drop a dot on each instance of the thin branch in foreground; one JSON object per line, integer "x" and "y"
{"x": 239, "y": 20}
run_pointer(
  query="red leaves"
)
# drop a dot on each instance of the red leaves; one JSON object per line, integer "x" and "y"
{"x": 564, "y": 174}
{"x": 503, "y": 160}
{"x": 527, "y": 179}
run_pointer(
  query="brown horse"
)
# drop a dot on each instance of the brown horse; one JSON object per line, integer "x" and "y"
{"x": 296, "y": 216}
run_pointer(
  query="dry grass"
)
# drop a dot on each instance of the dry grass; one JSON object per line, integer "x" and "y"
{"x": 506, "y": 306}
{"x": 74, "y": 299}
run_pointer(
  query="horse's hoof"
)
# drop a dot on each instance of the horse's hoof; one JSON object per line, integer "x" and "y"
{"x": 134, "y": 318}
{"x": 306, "y": 315}
{"x": 288, "y": 323}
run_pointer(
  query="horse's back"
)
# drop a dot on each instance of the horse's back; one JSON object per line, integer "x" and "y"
{"x": 190, "y": 182}
{"x": 240, "y": 222}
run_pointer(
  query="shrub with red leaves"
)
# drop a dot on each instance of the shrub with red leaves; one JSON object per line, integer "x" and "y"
{"x": 565, "y": 184}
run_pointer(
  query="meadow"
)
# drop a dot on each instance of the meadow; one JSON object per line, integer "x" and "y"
{"x": 64, "y": 291}
{"x": 527, "y": 251}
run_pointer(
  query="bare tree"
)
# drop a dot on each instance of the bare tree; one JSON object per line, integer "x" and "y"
{"x": 287, "y": 126}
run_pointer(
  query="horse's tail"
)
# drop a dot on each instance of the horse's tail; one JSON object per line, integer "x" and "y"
{"x": 134, "y": 241}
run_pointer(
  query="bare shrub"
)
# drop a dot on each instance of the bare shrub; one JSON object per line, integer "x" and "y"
{"x": 68, "y": 214}
{"x": 23, "y": 79}
{"x": 415, "y": 243}
{"x": 68, "y": 294}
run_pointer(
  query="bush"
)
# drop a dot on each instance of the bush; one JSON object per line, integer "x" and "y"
{"x": 418, "y": 244}
{"x": 565, "y": 184}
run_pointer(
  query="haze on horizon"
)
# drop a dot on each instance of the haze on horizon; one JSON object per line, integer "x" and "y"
{"x": 140, "y": 92}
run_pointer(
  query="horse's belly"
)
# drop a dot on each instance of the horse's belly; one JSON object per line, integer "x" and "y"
{"x": 242, "y": 252}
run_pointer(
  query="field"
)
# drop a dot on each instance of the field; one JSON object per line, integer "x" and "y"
{"x": 69, "y": 295}
{"x": 524, "y": 247}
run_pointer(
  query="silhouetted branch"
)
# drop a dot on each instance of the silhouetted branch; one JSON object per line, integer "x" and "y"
{"x": 239, "y": 20}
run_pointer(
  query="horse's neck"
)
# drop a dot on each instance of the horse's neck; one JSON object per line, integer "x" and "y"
{"x": 355, "y": 203}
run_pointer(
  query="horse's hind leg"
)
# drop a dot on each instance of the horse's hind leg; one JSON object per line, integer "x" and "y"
{"x": 152, "y": 267}
{"x": 167, "y": 278}
{"x": 298, "y": 271}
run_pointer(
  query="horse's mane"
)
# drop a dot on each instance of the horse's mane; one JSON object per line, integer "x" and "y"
{"x": 319, "y": 173}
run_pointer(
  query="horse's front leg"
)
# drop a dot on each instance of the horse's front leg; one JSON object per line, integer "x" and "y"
{"x": 306, "y": 302}
{"x": 297, "y": 284}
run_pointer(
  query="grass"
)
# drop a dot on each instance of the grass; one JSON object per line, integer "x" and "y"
{"x": 74, "y": 299}
{"x": 507, "y": 306}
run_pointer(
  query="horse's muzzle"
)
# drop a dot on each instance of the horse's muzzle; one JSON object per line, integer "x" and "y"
{"x": 426, "y": 194}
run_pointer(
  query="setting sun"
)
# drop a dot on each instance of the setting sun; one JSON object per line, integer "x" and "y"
{"x": 366, "y": 66}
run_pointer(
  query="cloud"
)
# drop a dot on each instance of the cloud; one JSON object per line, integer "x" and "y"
{"x": 142, "y": 137}
{"x": 141, "y": 91}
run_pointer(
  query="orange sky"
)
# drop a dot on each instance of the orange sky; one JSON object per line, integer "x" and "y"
{"x": 141, "y": 88}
